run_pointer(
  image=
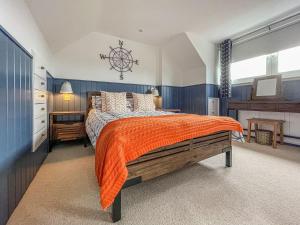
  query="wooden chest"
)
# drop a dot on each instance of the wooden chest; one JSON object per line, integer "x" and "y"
{"x": 67, "y": 131}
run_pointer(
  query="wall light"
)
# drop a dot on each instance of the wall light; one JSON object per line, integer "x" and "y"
{"x": 66, "y": 90}
{"x": 155, "y": 92}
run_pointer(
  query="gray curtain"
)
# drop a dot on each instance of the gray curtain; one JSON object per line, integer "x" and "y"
{"x": 225, "y": 60}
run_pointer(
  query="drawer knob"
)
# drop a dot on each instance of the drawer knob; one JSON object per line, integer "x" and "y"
{"x": 42, "y": 83}
{"x": 43, "y": 135}
{"x": 42, "y": 68}
{"x": 43, "y": 109}
{"x": 43, "y": 121}
{"x": 42, "y": 96}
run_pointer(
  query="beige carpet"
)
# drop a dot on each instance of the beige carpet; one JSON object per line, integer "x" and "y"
{"x": 262, "y": 187}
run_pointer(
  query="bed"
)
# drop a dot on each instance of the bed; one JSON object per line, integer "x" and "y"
{"x": 158, "y": 161}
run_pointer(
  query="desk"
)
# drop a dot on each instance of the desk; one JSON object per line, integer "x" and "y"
{"x": 267, "y": 106}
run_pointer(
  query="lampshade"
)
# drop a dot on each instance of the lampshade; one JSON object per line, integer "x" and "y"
{"x": 66, "y": 88}
{"x": 158, "y": 102}
{"x": 155, "y": 92}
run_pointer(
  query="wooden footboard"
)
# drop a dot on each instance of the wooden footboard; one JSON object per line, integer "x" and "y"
{"x": 173, "y": 157}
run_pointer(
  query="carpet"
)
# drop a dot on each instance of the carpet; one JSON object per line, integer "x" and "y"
{"x": 262, "y": 187}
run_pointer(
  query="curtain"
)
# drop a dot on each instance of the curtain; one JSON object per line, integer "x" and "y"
{"x": 225, "y": 60}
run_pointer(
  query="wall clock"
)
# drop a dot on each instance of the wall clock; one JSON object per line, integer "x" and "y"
{"x": 120, "y": 59}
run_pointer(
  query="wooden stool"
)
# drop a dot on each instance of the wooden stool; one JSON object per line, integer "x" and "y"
{"x": 274, "y": 123}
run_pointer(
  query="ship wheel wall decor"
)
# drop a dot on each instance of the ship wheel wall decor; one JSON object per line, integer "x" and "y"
{"x": 120, "y": 59}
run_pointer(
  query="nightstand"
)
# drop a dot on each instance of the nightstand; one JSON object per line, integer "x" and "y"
{"x": 66, "y": 130}
{"x": 172, "y": 110}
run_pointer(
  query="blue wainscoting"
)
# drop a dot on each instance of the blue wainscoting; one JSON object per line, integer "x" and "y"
{"x": 18, "y": 164}
{"x": 190, "y": 99}
{"x": 290, "y": 91}
{"x": 171, "y": 96}
{"x": 80, "y": 89}
{"x": 195, "y": 97}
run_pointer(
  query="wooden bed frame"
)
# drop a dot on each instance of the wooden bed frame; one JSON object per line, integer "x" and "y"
{"x": 170, "y": 158}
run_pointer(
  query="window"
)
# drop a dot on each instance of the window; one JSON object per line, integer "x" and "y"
{"x": 252, "y": 67}
{"x": 288, "y": 60}
{"x": 285, "y": 62}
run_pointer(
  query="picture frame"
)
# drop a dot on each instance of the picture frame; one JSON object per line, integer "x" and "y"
{"x": 267, "y": 88}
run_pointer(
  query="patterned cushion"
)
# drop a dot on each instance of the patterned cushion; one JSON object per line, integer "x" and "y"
{"x": 113, "y": 102}
{"x": 143, "y": 102}
{"x": 96, "y": 102}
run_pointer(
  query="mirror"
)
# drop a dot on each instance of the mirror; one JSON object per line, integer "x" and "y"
{"x": 267, "y": 88}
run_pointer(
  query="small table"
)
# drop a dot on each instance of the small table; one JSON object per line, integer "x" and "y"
{"x": 275, "y": 123}
{"x": 172, "y": 110}
{"x": 65, "y": 130}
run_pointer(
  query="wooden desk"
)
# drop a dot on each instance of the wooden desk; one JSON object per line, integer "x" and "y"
{"x": 275, "y": 123}
{"x": 267, "y": 106}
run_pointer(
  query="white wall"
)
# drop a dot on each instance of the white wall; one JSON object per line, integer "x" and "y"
{"x": 177, "y": 63}
{"x": 181, "y": 65}
{"x": 207, "y": 52}
{"x": 80, "y": 60}
{"x": 16, "y": 18}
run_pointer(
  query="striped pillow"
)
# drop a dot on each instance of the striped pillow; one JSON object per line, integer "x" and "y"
{"x": 143, "y": 102}
{"x": 113, "y": 102}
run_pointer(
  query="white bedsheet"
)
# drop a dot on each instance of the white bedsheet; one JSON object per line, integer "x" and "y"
{"x": 96, "y": 121}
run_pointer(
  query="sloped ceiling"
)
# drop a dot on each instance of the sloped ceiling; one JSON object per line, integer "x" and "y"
{"x": 181, "y": 63}
{"x": 63, "y": 21}
{"x": 182, "y": 53}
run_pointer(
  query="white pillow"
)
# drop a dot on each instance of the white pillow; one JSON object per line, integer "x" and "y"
{"x": 113, "y": 102}
{"x": 143, "y": 102}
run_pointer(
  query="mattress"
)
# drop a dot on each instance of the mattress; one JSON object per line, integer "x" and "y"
{"x": 96, "y": 121}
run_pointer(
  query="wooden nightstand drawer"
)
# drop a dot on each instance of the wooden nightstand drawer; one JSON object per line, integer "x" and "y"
{"x": 68, "y": 131}
{"x": 72, "y": 129}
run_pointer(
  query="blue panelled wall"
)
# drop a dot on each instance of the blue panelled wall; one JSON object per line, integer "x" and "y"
{"x": 18, "y": 165}
{"x": 190, "y": 99}
{"x": 290, "y": 90}
{"x": 80, "y": 89}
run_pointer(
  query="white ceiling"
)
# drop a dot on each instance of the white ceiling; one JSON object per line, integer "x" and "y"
{"x": 63, "y": 21}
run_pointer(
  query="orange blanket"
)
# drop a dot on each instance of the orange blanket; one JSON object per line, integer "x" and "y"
{"x": 127, "y": 139}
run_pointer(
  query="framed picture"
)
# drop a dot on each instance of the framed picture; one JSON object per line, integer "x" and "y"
{"x": 267, "y": 88}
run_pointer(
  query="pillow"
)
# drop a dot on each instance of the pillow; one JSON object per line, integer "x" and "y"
{"x": 113, "y": 102}
{"x": 143, "y": 102}
{"x": 96, "y": 102}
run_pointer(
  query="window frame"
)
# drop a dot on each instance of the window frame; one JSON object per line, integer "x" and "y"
{"x": 251, "y": 79}
{"x": 271, "y": 69}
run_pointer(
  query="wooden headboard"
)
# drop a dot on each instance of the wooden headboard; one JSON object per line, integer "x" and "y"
{"x": 98, "y": 93}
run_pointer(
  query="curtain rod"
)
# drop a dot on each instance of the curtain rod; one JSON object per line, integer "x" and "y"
{"x": 266, "y": 29}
